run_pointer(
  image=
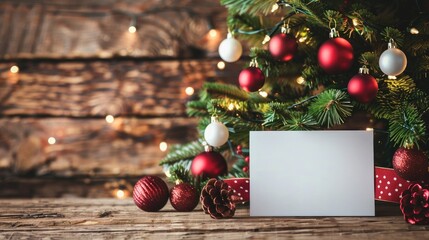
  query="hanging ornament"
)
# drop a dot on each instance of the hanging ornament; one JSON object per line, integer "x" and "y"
{"x": 336, "y": 54}
{"x": 283, "y": 46}
{"x": 363, "y": 87}
{"x": 209, "y": 164}
{"x": 184, "y": 197}
{"x": 230, "y": 49}
{"x": 392, "y": 61}
{"x": 216, "y": 134}
{"x": 251, "y": 79}
{"x": 410, "y": 164}
{"x": 150, "y": 194}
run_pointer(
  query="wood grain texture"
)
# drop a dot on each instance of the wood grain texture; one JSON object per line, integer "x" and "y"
{"x": 121, "y": 219}
{"x": 67, "y": 29}
{"x": 128, "y": 146}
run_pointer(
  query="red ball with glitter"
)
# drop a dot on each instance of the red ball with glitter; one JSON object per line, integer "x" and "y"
{"x": 150, "y": 194}
{"x": 251, "y": 79}
{"x": 335, "y": 55}
{"x": 209, "y": 164}
{"x": 184, "y": 197}
{"x": 410, "y": 164}
{"x": 283, "y": 47}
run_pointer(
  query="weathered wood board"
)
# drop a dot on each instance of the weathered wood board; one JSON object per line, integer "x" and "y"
{"x": 70, "y": 28}
{"x": 121, "y": 219}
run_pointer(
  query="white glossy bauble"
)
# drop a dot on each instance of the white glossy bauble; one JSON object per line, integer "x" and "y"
{"x": 230, "y": 49}
{"x": 216, "y": 134}
{"x": 392, "y": 62}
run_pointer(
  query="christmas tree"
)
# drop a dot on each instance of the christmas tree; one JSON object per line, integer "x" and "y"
{"x": 315, "y": 65}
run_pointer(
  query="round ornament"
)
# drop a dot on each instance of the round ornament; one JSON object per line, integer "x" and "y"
{"x": 251, "y": 79}
{"x": 393, "y": 61}
{"x": 150, "y": 194}
{"x": 336, "y": 54}
{"x": 209, "y": 164}
{"x": 184, "y": 197}
{"x": 230, "y": 49}
{"x": 283, "y": 46}
{"x": 410, "y": 164}
{"x": 363, "y": 87}
{"x": 216, "y": 133}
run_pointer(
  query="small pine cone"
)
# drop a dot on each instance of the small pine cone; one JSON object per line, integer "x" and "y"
{"x": 217, "y": 200}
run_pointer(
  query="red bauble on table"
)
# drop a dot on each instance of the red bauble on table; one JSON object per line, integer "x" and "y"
{"x": 410, "y": 164}
{"x": 209, "y": 164}
{"x": 363, "y": 87}
{"x": 283, "y": 47}
{"x": 336, "y": 54}
{"x": 251, "y": 79}
{"x": 150, "y": 194}
{"x": 184, "y": 197}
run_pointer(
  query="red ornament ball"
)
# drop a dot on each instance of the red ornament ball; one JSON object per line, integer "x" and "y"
{"x": 336, "y": 55}
{"x": 209, "y": 165}
{"x": 410, "y": 164}
{"x": 363, "y": 87}
{"x": 184, "y": 197}
{"x": 283, "y": 47}
{"x": 251, "y": 79}
{"x": 150, "y": 194}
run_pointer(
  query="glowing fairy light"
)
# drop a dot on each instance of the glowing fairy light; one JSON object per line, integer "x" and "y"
{"x": 132, "y": 29}
{"x": 221, "y": 65}
{"x": 163, "y": 146}
{"x": 189, "y": 91}
{"x": 263, "y": 94}
{"x": 52, "y": 140}
{"x": 14, "y": 69}
{"x": 110, "y": 119}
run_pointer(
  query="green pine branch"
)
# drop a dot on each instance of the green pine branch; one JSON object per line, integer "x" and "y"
{"x": 406, "y": 127}
{"x": 184, "y": 152}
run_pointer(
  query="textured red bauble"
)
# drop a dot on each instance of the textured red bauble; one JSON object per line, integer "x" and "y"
{"x": 283, "y": 46}
{"x": 410, "y": 164}
{"x": 251, "y": 79}
{"x": 336, "y": 55}
{"x": 363, "y": 87}
{"x": 150, "y": 194}
{"x": 184, "y": 197}
{"x": 209, "y": 164}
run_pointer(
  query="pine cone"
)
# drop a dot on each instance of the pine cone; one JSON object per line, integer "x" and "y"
{"x": 216, "y": 199}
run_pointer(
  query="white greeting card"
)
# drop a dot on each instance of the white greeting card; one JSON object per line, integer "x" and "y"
{"x": 311, "y": 173}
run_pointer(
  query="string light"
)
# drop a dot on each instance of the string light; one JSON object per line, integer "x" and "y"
{"x": 189, "y": 91}
{"x": 275, "y": 7}
{"x": 266, "y": 39}
{"x": 300, "y": 80}
{"x": 414, "y": 31}
{"x": 163, "y": 146}
{"x": 355, "y": 22}
{"x": 110, "y": 119}
{"x": 177, "y": 181}
{"x": 213, "y": 33}
{"x": 132, "y": 29}
{"x": 263, "y": 94}
{"x": 52, "y": 140}
{"x": 14, "y": 69}
{"x": 120, "y": 194}
{"x": 231, "y": 106}
{"x": 167, "y": 173}
{"x": 221, "y": 65}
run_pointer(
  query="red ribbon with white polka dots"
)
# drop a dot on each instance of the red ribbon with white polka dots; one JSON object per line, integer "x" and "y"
{"x": 241, "y": 187}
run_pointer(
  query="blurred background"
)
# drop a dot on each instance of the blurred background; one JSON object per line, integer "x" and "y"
{"x": 93, "y": 93}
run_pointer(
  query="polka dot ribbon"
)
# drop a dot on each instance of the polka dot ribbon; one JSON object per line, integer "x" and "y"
{"x": 241, "y": 187}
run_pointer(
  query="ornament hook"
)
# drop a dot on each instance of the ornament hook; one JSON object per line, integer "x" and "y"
{"x": 391, "y": 44}
{"x": 253, "y": 63}
{"x": 333, "y": 33}
{"x": 364, "y": 70}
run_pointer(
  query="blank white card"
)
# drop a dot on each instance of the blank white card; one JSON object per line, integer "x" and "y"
{"x": 311, "y": 173}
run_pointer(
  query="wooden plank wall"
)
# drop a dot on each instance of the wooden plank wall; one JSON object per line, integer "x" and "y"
{"x": 78, "y": 63}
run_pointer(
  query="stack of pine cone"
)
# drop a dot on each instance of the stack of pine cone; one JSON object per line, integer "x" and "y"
{"x": 216, "y": 199}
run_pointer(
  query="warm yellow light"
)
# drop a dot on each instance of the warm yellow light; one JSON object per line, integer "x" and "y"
{"x": 110, "y": 119}
{"x": 52, "y": 140}
{"x": 263, "y": 94}
{"x": 231, "y": 106}
{"x": 14, "y": 69}
{"x": 189, "y": 91}
{"x": 275, "y": 7}
{"x": 302, "y": 39}
{"x": 221, "y": 65}
{"x": 369, "y": 129}
{"x": 163, "y": 146}
{"x": 266, "y": 39}
{"x": 414, "y": 30}
{"x": 300, "y": 80}
{"x": 132, "y": 29}
{"x": 355, "y": 21}
{"x": 167, "y": 173}
{"x": 391, "y": 77}
{"x": 120, "y": 194}
{"x": 177, "y": 181}
{"x": 212, "y": 33}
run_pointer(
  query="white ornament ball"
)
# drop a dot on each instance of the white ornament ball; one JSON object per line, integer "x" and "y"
{"x": 230, "y": 49}
{"x": 216, "y": 134}
{"x": 393, "y": 62}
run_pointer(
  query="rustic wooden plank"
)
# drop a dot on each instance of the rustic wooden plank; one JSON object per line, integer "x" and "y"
{"x": 98, "y": 88}
{"x": 58, "y": 29}
{"x": 82, "y": 218}
{"x": 128, "y": 146}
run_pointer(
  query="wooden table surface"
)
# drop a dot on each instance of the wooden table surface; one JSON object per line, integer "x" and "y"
{"x": 121, "y": 219}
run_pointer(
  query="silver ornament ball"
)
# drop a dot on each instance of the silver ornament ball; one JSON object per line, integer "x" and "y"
{"x": 393, "y": 62}
{"x": 230, "y": 49}
{"x": 216, "y": 134}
